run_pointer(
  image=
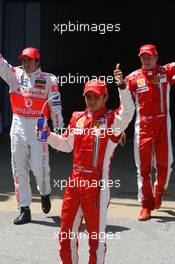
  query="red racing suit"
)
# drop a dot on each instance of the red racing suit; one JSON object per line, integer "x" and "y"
{"x": 152, "y": 143}
{"x": 91, "y": 137}
{"x": 28, "y": 93}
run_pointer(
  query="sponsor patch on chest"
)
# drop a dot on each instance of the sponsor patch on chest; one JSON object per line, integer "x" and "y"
{"x": 40, "y": 84}
{"x": 24, "y": 82}
{"x": 140, "y": 83}
{"x": 163, "y": 78}
{"x": 156, "y": 79}
{"x": 142, "y": 89}
{"x": 80, "y": 122}
{"x": 96, "y": 124}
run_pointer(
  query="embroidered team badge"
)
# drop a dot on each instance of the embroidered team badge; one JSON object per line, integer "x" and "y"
{"x": 156, "y": 79}
{"x": 80, "y": 122}
{"x": 40, "y": 84}
{"x": 96, "y": 124}
{"x": 140, "y": 82}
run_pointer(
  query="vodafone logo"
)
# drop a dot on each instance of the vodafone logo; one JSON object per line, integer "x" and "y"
{"x": 28, "y": 102}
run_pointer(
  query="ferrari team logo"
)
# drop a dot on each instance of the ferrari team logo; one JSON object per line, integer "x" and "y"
{"x": 156, "y": 79}
{"x": 96, "y": 124}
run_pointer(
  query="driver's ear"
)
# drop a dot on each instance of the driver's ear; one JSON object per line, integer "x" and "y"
{"x": 38, "y": 62}
{"x": 106, "y": 97}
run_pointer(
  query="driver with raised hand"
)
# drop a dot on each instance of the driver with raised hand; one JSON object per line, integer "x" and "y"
{"x": 150, "y": 87}
{"x": 30, "y": 88}
{"x": 92, "y": 135}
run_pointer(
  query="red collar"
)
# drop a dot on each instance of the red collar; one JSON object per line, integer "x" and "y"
{"x": 96, "y": 115}
{"x": 149, "y": 73}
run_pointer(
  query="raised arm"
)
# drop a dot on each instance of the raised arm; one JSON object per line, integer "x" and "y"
{"x": 7, "y": 73}
{"x": 125, "y": 113}
{"x": 170, "y": 69}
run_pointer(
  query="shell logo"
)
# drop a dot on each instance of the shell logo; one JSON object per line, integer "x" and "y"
{"x": 141, "y": 82}
{"x": 80, "y": 122}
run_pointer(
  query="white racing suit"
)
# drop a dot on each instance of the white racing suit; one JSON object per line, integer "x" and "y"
{"x": 28, "y": 93}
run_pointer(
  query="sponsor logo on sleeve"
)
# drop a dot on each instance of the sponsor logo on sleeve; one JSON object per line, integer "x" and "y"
{"x": 56, "y": 103}
{"x": 54, "y": 88}
{"x": 56, "y": 97}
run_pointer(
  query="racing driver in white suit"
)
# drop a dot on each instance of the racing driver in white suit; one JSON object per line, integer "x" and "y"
{"x": 29, "y": 90}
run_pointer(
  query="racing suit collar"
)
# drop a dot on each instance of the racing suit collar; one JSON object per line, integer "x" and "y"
{"x": 96, "y": 115}
{"x": 150, "y": 72}
{"x": 34, "y": 74}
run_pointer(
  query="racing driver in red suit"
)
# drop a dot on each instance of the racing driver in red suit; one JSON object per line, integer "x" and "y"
{"x": 29, "y": 90}
{"x": 150, "y": 86}
{"x": 88, "y": 194}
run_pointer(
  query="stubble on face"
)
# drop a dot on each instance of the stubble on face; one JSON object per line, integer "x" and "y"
{"x": 148, "y": 61}
{"x": 95, "y": 102}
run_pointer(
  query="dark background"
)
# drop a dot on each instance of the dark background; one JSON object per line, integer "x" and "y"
{"x": 24, "y": 24}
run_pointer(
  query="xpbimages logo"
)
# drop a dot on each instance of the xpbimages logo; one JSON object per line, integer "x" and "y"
{"x": 81, "y": 79}
{"x": 101, "y": 28}
{"x": 79, "y": 183}
{"x": 101, "y": 236}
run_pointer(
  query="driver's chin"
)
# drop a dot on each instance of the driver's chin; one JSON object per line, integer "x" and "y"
{"x": 148, "y": 68}
{"x": 92, "y": 108}
{"x": 27, "y": 70}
